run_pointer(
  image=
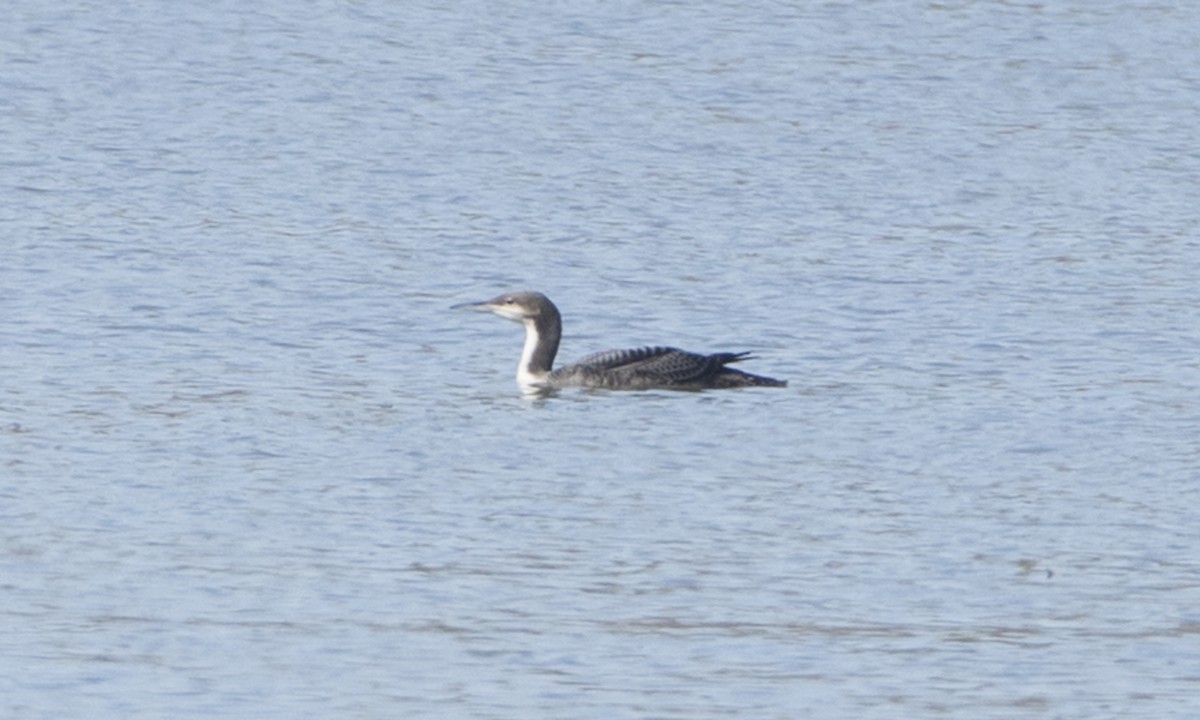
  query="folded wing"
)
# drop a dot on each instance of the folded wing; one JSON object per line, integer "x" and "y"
{"x": 667, "y": 365}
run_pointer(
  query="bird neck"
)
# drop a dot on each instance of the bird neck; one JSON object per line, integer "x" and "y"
{"x": 542, "y": 334}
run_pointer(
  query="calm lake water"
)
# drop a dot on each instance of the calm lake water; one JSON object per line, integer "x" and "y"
{"x": 253, "y": 466}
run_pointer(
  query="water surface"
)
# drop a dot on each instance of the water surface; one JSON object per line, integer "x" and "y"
{"x": 254, "y": 466}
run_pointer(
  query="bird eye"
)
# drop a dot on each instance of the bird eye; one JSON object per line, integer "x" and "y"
{"x": 509, "y": 301}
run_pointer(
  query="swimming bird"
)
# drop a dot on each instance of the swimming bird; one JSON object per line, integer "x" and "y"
{"x": 634, "y": 369}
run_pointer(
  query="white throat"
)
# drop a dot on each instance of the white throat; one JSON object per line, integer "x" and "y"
{"x": 526, "y": 376}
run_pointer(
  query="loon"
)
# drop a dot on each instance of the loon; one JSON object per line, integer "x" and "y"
{"x": 634, "y": 369}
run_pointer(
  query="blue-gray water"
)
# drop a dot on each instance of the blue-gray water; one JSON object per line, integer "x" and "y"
{"x": 253, "y": 466}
